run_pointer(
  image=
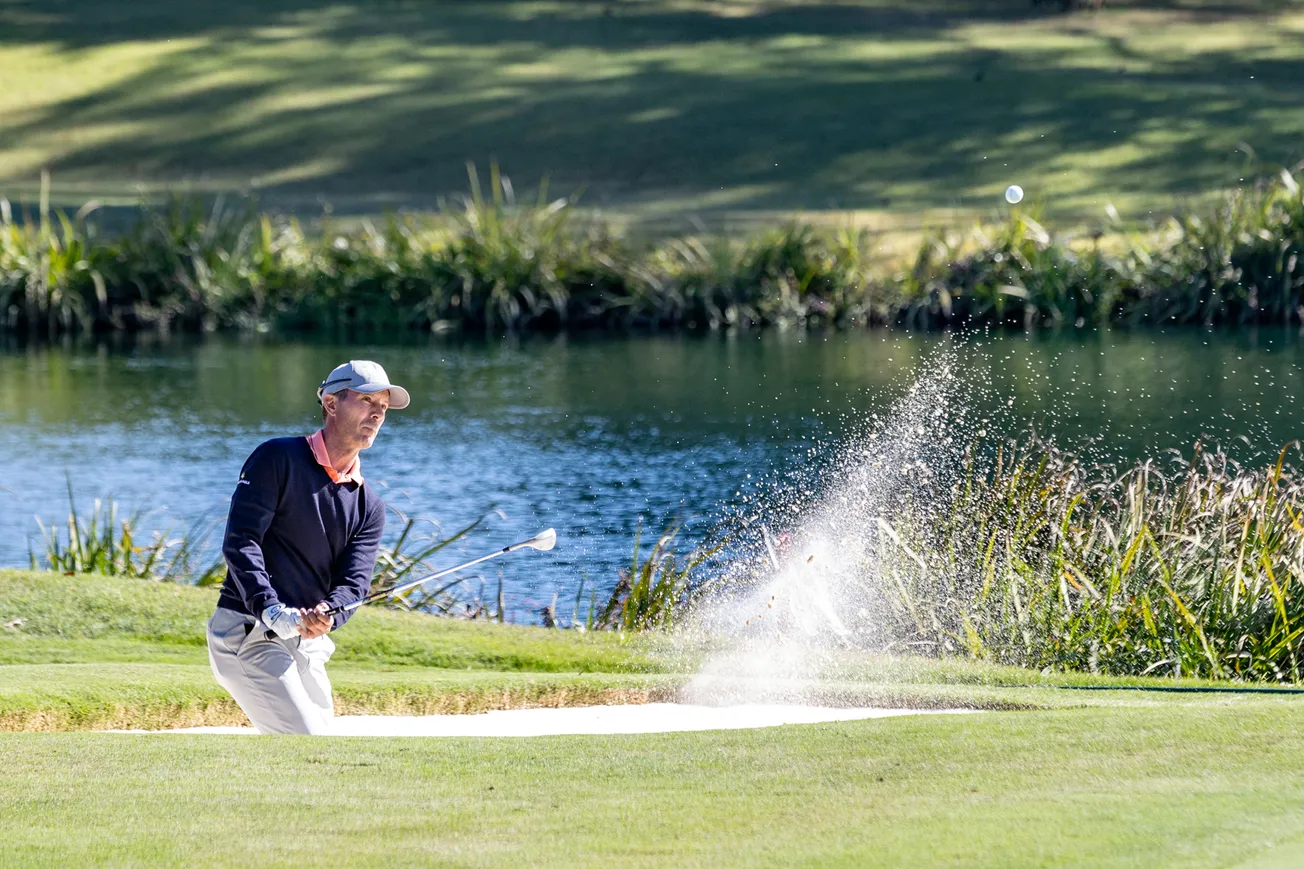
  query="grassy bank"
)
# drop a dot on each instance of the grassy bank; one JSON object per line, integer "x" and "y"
{"x": 1013, "y": 553}
{"x": 92, "y": 652}
{"x": 95, "y": 652}
{"x": 908, "y": 114}
{"x": 62, "y": 612}
{"x": 492, "y": 264}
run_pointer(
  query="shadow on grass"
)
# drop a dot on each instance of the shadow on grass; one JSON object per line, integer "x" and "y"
{"x": 832, "y": 106}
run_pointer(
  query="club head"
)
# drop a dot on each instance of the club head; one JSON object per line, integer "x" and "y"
{"x": 543, "y": 541}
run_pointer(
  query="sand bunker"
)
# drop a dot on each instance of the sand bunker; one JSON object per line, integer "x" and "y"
{"x": 644, "y": 718}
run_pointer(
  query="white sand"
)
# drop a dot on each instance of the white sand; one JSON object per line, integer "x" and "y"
{"x": 644, "y": 718}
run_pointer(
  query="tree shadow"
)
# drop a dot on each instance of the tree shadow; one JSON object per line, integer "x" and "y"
{"x": 660, "y": 107}
{"x": 604, "y": 24}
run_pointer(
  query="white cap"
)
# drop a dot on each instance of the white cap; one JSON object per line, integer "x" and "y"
{"x": 363, "y": 376}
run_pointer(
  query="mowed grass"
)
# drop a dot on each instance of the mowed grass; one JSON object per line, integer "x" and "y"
{"x": 65, "y": 616}
{"x": 908, "y": 114}
{"x": 98, "y": 653}
{"x": 1171, "y": 784}
{"x": 92, "y": 652}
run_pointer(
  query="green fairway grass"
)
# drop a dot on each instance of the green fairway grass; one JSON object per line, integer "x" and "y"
{"x": 907, "y": 114}
{"x": 1176, "y": 783}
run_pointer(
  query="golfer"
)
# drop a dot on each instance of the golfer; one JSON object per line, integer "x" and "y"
{"x": 301, "y": 540}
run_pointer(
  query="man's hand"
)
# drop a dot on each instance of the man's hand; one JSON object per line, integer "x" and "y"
{"x": 284, "y": 621}
{"x": 316, "y": 621}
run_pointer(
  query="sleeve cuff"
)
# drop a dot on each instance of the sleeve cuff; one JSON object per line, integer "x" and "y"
{"x": 259, "y": 605}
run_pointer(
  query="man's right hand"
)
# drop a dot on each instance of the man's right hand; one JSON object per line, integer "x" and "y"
{"x": 317, "y": 622}
{"x": 284, "y": 621}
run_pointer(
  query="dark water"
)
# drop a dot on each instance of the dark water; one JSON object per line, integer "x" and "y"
{"x": 592, "y": 436}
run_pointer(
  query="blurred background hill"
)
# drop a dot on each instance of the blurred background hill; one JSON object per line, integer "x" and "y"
{"x": 898, "y": 115}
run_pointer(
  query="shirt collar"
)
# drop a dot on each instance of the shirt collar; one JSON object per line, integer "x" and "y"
{"x": 317, "y": 441}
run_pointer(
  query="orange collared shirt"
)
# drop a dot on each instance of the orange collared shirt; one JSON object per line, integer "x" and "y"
{"x": 317, "y": 440}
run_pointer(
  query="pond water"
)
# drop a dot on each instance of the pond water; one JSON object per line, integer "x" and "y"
{"x": 592, "y": 436}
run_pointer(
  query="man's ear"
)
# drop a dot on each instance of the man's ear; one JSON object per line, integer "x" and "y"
{"x": 328, "y": 404}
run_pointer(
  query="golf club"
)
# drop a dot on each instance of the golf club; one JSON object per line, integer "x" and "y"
{"x": 543, "y": 541}
{"x": 769, "y": 547}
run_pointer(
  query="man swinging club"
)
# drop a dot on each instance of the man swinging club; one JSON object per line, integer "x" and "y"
{"x": 301, "y": 539}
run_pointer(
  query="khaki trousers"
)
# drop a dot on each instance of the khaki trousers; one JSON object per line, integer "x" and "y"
{"x": 280, "y": 684}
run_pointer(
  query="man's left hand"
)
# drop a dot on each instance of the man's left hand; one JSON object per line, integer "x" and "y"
{"x": 317, "y": 621}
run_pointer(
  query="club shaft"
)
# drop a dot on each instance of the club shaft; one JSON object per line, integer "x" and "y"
{"x": 399, "y": 589}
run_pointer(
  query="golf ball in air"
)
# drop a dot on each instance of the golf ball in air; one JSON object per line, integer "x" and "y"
{"x": 1014, "y": 194}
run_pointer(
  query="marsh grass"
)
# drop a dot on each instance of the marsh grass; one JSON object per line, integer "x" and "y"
{"x": 1236, "y": 263}
{"x": 659, "y": 587}
{"x": 1189, "y": 566}
{"x": 491, "y": 261}
{"x": 408, "y": 559}
{"x": 49, "y": 280}
{"x": 107, "y": 543}
{"x": 191, "y": 268}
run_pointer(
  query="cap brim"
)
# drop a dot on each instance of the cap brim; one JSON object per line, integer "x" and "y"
{"x": 398, "y": 396}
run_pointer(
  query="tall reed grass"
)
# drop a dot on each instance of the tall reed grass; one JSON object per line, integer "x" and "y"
{"x": 658, "y": 588}
{"x": 1186, "y": 567}
{"x": 50, "y": 281}
{"x": 492, "y": 262}
{"x": 106, "y": 542}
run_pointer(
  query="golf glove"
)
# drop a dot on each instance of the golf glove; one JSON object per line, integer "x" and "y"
{"x": 283, "y": 621}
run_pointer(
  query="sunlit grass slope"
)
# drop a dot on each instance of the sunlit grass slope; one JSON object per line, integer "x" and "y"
{"x": 909, "y": 113}
{"x": 88, "y": 652}
{"x": 64, "y": 615}
{"x": 94, "y": 652}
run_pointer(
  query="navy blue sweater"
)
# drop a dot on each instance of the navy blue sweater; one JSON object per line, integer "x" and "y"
{"x": 296, "y": 538}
